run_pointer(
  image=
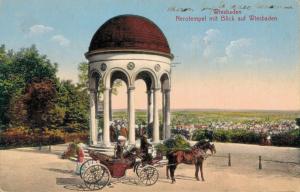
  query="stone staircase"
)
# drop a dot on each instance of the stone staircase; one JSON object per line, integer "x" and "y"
{"x": 105, "y": 150}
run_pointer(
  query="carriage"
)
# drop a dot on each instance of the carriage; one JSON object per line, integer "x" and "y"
{"x": 98, "y": 171}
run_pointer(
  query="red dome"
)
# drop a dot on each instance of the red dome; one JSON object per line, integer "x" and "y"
{"x": 129, "y": 32}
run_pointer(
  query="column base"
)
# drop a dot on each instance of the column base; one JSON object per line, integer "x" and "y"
{"x": 102, "y": 145}
{"x": 102, "y": 148}
{"x": 157, "y": 142}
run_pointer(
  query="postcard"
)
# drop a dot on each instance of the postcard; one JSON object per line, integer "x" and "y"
{"x": 132, "y": 95}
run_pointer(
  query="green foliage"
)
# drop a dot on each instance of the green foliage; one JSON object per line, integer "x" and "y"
{"x": 222, "y": 135}
{"x": 245, "y": 136}
{"x": 22, "y": 136}
{"x": 291, "y": 138}
{"x": 298, "y": 121}
{"x": 56, "y": 116}
{"x": 83, "y": 69}
{"x": 31, "y": 96}
{"x": 39, "y": 101}
{"x": 173, "y": 144}
{"x": 235, "y": 136}
{"x": 27, "y": 100}
{"x": 206, "y": 117}
{"x": 29, "y": 64}
{"x": 75, "y": 104}
{"x": 198, "y": 135}
{"x": 17, "y": 110}
{"x": 16, "y": 70}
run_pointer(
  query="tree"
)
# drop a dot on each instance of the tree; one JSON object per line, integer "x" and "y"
{"x": 18, "y": 69}
{"x": 298, "y": 121}
{"x": 75, "y": 102}
{"x": 83, "y": 79}
{"x": 29, "y": 64}
{"x": 39, "y": 98}
{"x": 17, "y": 110}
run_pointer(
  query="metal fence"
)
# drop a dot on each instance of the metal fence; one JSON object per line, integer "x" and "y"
{"x": 260, "y": 160}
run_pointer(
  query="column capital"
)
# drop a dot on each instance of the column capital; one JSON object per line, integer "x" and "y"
{"x": 92, "y": 90}
{"x": 166, "y": 90}
{"x": 149, "y": 91}
{"x": 107, "y": 89}
{"x": 131, "y": 88}
{"x": 155, "y": 89}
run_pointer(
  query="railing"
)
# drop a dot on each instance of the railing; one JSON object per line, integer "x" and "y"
{"x": 274, "y": 161}
{"x": 260, "y": 160}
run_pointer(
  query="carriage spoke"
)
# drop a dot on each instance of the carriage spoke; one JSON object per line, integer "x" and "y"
{"x": 148, "y": 175}
{"x": 96, "y": 177}
{"x": 86, "y": 165}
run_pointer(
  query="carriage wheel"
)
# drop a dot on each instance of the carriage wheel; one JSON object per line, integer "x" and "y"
{"x": 148, "y": 175}
{"x": 96, "y": 176}
{"x": 137, "y": 168}
{"x": 85, "y": 165}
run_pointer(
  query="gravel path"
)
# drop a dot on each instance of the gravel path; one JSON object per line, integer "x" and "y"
{"x": 27, "y": 169}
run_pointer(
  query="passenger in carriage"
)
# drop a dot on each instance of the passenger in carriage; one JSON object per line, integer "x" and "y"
{"x": 120, "y": 147}
{"x": 145, "y": 148}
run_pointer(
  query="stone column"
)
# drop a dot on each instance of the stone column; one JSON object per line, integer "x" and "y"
{"x": 131, "y": 115}
{"x": 93, "y": 138}
{"x": 106, "y": 139}
{"x": 156, "y": 116}
{"x": 163, "y": 109}
{"x": 149, "y": 110}
{"x": 96, "y": 116}
{"x": 168, "y": 114}
{"x": 110, "y": 104}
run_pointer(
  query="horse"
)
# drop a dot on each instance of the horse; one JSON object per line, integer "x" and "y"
{"x": 195, "y": 156}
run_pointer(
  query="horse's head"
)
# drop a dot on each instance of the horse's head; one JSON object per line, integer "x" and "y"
{"x": 206, "y": 145}
{"x": 212, "y": 148}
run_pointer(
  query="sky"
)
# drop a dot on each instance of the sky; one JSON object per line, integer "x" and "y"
{"x": 222, "y": 64}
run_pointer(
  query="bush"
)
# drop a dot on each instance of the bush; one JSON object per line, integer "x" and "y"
{"x": 291, "y": 138}
{"x": 244, "y": 136}
{"x": 182, "y": 132}
{"x": 21, "y": 137}
{"x": 177, "y": 143}
{"x": 198, "y": 135}
{"x": 222, "y": 135}
{"x": 201, "y": 134}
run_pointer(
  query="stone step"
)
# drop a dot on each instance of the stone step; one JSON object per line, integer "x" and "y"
{"x": 105, "y": 150}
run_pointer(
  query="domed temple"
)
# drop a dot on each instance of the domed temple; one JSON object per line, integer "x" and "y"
{"x": 129, "y": 48}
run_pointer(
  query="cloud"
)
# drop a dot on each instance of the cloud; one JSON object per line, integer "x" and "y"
{"x": 39, "y": 29}
{"x": 211, "y": 35}
{"x": 211, "y": 40}
{"x": 238, "y": 47}
{"x": 61, "y": 40}
{"x": 243, "y": 52}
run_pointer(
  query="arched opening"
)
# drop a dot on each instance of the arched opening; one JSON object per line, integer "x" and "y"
{"x": 141, "y": 122}
{"x": 165, "y": 81}
{"x": 119, "y": 83}
{"x": 144, "y": 83}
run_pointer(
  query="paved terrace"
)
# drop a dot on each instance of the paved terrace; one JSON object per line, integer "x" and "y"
{"x": 27, "y": 169}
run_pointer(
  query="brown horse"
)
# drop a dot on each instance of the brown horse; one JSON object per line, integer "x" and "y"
{"x": 194, "y": 156}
